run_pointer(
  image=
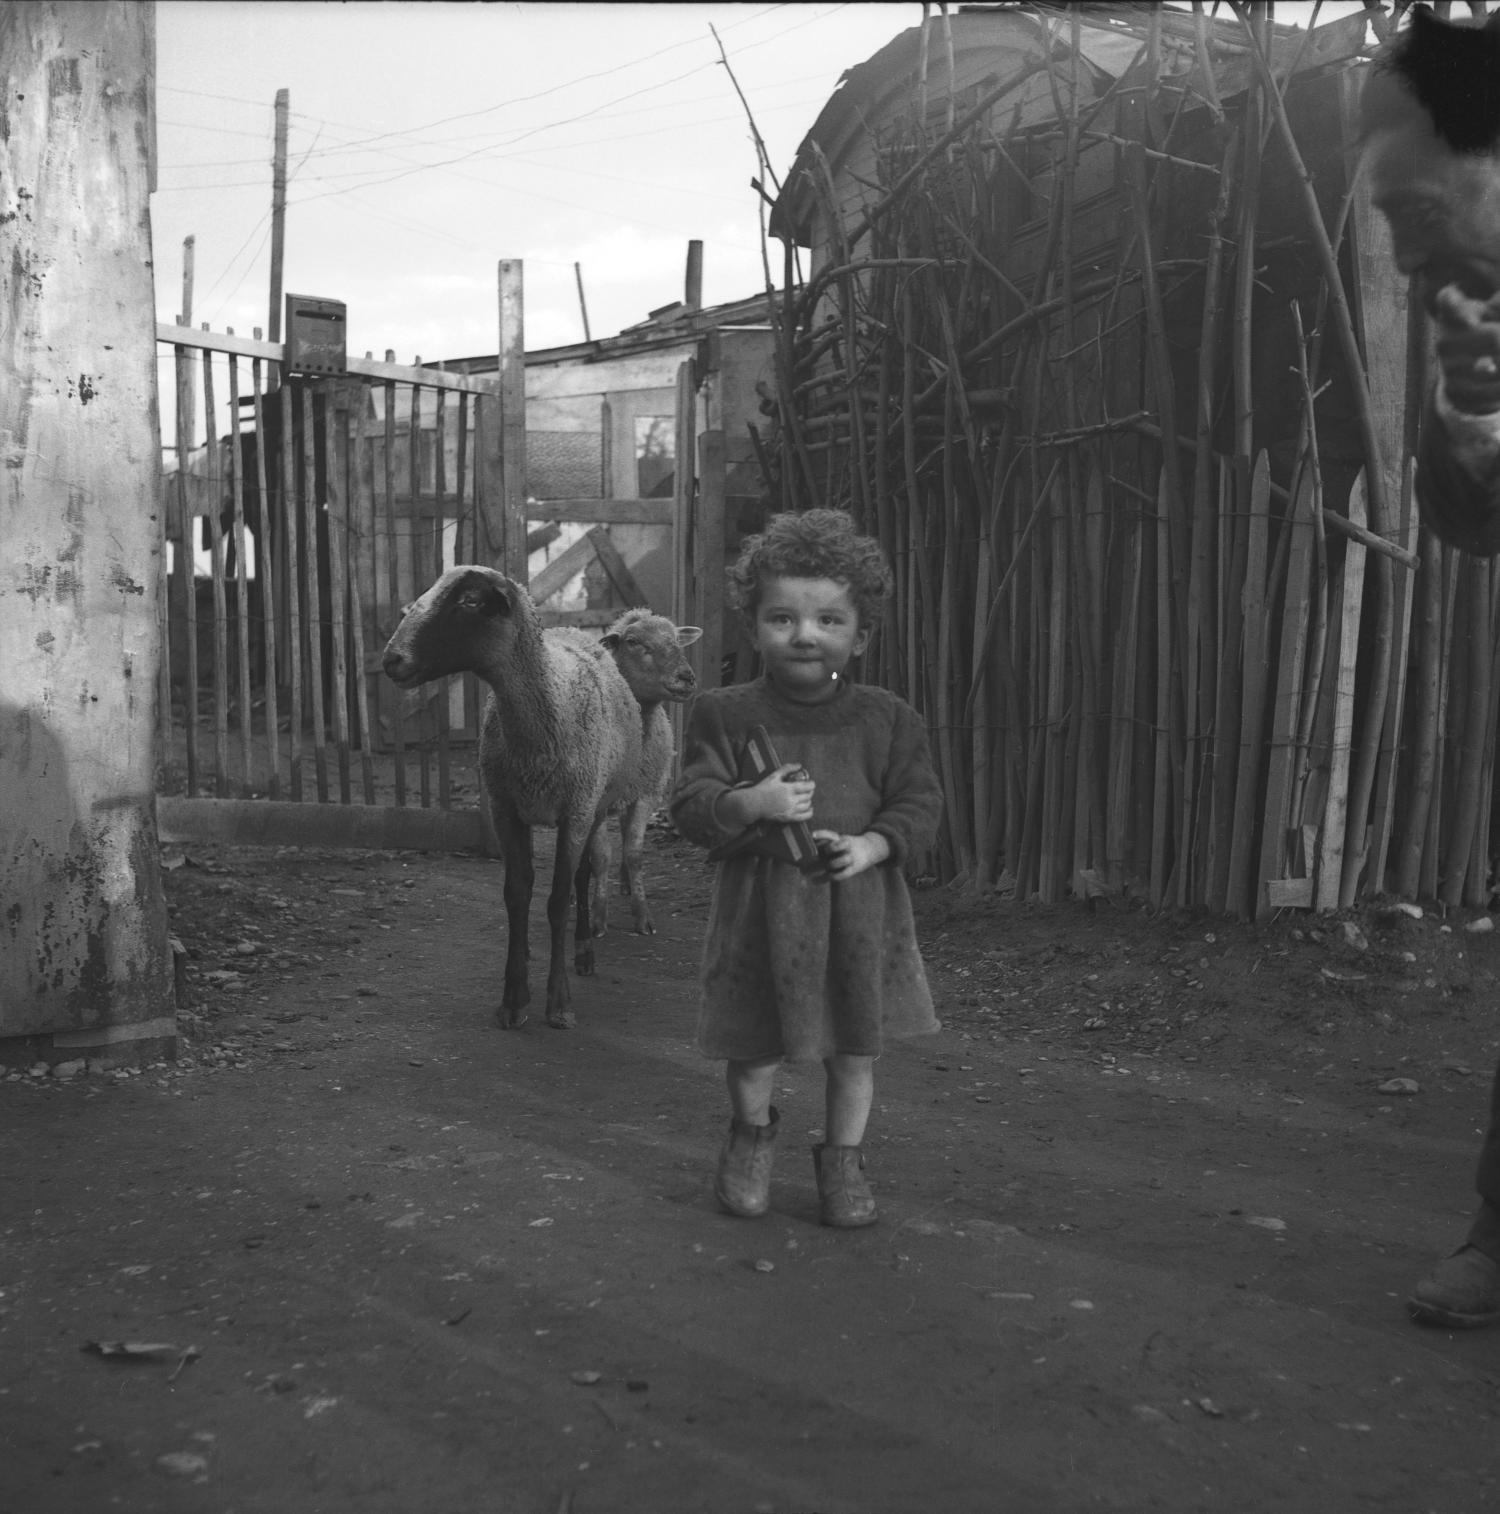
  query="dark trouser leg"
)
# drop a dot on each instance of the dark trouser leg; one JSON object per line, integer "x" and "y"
{"x": 1485, "y": 1234}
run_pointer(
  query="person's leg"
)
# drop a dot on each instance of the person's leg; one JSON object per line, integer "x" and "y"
{"x": 848, "y": 1095}
{"x": 1463, "y": 1290}
{"x": 750, "y": 1086}
{"x": 844, "y": 1196}
{"x": 742, "y": 1183}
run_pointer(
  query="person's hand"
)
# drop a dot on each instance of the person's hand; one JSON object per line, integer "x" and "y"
{"x": 786, "y": 794}
{"x": 1468, "y": 347}
{"x": 844, "y": 856}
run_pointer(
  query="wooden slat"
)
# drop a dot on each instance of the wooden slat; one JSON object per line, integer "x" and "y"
{"x": 708, "y": 551}
{"x": 221, "y": 610}
{"x": 393, "y": 571}
{"x": 423, "y": 574}
{"x": 186, "y": 570}
{"x": 512, "y": 395}
{"x": 314, "y": 592}
{"x": 335, "y": 484}
{"x": 361, "y": 517}
{"x": 275, "y": 352}
{"x": 241, "y": 585}
{"x": 293, "y": 588}
{"x": 265, "y": 541}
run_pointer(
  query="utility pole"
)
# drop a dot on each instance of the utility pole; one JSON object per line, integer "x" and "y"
{"x": 582, "y": 303}
{"x": 278, "y": 213}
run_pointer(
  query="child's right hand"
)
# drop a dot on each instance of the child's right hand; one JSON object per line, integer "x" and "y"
{"x": 781, "y": 795}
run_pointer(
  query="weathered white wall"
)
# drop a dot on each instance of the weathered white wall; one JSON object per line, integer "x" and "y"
{"x": 83, "y": 938}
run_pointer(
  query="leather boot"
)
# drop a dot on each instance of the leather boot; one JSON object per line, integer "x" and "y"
{"x": 844, "y": 1197}
{"x": 743, "y": 1182}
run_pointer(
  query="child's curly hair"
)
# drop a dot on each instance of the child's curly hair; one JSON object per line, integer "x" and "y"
{"x": 813, "y": 544}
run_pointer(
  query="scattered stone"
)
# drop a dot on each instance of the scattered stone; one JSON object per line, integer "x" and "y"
{"x": 586, "y": 1379}
{"x": 65, "y": 1070}
{"x": 1265, "y": 1222}
{"x": 1354, "y": 936}
{"x": 764, "y": 1266}
{"x": 1400, "y": 1085}
{"x": 1480, "y": 926}
{"x": 182, "y": 1464}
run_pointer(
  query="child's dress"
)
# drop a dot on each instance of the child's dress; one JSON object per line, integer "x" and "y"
{"x": 793, "y": 967}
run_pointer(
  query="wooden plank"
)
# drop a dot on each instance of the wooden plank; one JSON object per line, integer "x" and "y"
{"x": 361, "y": 515}
{"x": 186, "y": 569}
{"x": 265, "y": 540}
{"x": 562, "y": 567}
{"x": 275, "y": 352}
{"x": 264, "y": 822}
{"x": 393, "y": 569}
{"x": 512, "y": 397}
{"x": 221, "y": 610}
{"x": 289, "y": 516}
{"x": 615, "y": 512}
{"x": 241, "y": 585}
{"x": 314, "y": 593}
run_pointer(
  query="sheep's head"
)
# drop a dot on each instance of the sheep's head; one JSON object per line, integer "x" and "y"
{"x": 647, "y": 650}
{"x": 460, "y": 624}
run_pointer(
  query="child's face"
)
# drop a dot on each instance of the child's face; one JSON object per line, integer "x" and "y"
{"x": 806, "y": 630}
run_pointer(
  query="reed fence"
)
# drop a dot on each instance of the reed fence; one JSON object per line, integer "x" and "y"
{"x": 1129, "y": 399}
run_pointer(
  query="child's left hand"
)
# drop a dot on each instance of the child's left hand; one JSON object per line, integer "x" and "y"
{"x": 844, "y": 856}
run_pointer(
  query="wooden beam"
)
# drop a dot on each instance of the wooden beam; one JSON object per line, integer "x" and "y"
{"x": 358, "y": 367}
{"x": 266, "y": 822}
{"x": 512, "y": 393}
{"x": 709, "y": 553}
{"x": 562, "y": 567}
{"x": 620, "y": 575}
{"x": 616, "y": 512}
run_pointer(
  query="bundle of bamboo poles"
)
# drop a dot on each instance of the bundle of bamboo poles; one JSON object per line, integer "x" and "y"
{"x": 1159, "y": 647}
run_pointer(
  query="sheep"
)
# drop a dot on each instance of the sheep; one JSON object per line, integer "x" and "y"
{"x": 647, "y": 649}
{"x": 562, "y": 745}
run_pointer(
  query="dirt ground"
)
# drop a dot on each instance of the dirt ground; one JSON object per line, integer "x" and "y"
{"x": 1150, "y": 1205}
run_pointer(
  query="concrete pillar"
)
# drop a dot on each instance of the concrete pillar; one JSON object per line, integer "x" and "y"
{"x": 84, "y": 958}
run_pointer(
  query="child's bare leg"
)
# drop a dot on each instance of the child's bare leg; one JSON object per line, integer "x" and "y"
{"x": 742, "y": 1184}
{"x": 849, "y": 1093}
{"x": 844, "y": 1198}
{"x": 750, "y": 1088}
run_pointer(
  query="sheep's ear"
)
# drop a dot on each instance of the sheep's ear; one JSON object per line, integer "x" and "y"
{"x": 687, "y": 635}
{"x": 610, "y": 640}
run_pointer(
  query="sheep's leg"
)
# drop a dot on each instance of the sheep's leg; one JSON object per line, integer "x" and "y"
{"x": 599, "y": 865}
{"x": 586, "y": 886}
{"x": 520, "y": 875}
{"x": 632, "y": 862}
{"x": 572, "y": 855}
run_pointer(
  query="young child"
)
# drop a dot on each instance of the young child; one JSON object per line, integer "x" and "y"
{"x": 802, "y": 965}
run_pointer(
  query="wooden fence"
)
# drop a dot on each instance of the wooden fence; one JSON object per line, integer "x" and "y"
{"x": 322, "y": 505}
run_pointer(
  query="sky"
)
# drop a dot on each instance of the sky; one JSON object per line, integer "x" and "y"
{"x": 430, "y": 139}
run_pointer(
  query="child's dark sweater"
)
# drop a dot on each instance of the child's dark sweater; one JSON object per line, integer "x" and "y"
{"x": 794, "y": 967}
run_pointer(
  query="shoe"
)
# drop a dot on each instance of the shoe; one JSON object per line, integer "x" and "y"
{"x": 743, "y": 1182}
{"x": 844, "y": 1197}
{"x": 1461, "y": 1292}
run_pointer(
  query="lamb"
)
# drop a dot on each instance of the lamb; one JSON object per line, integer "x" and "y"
{"x": 647, "y": 649}
{"x": 563, "y": 744}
